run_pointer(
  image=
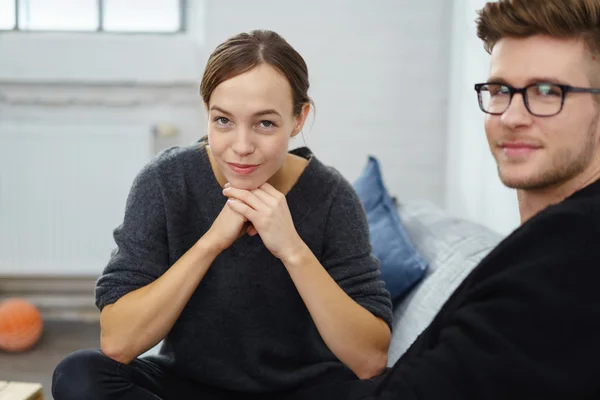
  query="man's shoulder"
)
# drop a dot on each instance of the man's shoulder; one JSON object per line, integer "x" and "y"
{"x": 559, "y": 240}
{"x": 580, "y": 211}
{"x": 554, "y": 249}
{"x": 575, "y": 216}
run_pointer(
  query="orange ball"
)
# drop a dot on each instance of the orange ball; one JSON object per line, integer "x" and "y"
{"x": 21, "y": 325}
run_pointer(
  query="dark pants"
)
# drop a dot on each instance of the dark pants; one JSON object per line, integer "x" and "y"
{"x": 90, "y": 375}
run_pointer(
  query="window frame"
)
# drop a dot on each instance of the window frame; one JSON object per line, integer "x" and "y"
{"x": 183, "y": 6}
{"x": 107, "y": 59}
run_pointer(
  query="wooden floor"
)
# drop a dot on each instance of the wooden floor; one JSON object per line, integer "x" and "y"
{"x": 59, "y": 339}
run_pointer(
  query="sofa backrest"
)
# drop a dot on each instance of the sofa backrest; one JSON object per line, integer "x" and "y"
{"x": 453, "y": 247}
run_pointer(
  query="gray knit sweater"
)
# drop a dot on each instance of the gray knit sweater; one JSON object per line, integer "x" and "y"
{"x": 245, "y": 327}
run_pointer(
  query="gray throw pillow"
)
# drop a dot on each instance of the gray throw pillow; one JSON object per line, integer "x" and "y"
{"x": 453, "y": 247}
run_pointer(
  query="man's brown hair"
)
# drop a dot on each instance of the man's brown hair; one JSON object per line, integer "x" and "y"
{"x": 568, "y": 19}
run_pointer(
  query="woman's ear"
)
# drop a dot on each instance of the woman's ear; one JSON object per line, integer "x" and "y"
{"x": 205, "y": 106}
{"x": 301, "y": 119}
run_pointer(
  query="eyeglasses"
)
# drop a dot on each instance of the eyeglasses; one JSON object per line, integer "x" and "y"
{"x": 541, "y": 99}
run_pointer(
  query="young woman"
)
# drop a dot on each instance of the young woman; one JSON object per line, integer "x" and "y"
{"x": 251, "y": 262}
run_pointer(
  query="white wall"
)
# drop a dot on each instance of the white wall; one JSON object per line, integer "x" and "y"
{"x": 379, "y": 79}
{"x": 379, "y": 76}
{"x": 473, "y": 189}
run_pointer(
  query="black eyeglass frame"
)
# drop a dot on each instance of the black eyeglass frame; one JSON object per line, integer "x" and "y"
{"x": 564, "y": 89}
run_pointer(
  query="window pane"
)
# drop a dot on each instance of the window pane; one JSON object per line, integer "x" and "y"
{"x": 58, "y": 15}
{"x": 141, "y": 15}
{"x": 7, "y": 14}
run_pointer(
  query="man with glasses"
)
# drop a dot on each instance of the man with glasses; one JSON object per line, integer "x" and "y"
{"x": 525, "y": 324}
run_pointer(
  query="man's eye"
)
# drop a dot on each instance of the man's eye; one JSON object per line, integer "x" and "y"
{"x": 496, "y": 90}
{"x": 548, "y": 90}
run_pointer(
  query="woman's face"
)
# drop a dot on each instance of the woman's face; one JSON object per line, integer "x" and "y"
{"x": 250, "y": 123}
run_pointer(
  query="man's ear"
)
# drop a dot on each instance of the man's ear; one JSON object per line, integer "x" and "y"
{"x": 301, "y": 119}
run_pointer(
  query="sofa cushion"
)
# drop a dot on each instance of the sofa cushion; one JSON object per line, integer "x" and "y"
{"x": 401, "y": 264}
{"x": 453, "y": 247}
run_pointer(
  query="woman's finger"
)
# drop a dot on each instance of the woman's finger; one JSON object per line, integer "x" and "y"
{"x": 252, "y": 230}
{"x": 245, "y": 196}
{"x": 268, "y": 188}
{"x": 265, "y": 197}
{"x": 242, "y": 208}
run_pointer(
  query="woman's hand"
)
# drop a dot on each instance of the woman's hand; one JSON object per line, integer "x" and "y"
{"x": 266, "y": 208}
{"x": 228, "y": 227}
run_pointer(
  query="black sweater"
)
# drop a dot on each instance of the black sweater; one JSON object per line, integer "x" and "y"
{"x": 245, "y": 328}
{"x": 525, "y": 324}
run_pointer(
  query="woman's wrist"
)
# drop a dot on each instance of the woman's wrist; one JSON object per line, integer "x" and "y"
{"x": 209, "y": 245}
{"x": 297, "y": 255}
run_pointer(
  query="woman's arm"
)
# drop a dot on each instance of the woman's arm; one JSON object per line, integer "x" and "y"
{"x": 142, "y": 318}
{"x": 358, "y": 338}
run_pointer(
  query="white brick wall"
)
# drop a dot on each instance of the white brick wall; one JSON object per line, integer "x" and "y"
{"x": 379, "y": 78}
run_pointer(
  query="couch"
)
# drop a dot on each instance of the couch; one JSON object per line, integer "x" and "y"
{"x": 452, "y": 247}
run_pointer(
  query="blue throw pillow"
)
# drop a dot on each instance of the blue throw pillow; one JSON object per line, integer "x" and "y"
{"x": 401, "y": 264}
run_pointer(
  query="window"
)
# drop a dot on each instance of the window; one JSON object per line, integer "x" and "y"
{"x": 131, "y": 16}
{"x": 7, "y": 14}
{"x": 163, "y": 47}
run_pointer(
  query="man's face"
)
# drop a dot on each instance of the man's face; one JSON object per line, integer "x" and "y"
{"x": 542, "y": 152}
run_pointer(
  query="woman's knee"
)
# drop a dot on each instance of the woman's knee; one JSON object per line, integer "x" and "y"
{"x": 81, "y": 375}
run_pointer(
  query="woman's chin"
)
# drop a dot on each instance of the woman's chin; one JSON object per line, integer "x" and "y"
{"x": 245, "y": 183}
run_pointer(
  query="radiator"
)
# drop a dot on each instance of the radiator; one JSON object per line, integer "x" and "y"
{"x": 62, "y": 192}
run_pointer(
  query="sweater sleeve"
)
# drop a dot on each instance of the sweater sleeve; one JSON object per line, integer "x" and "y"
{"x": 347, "y": 253}
{"x": 526, "y": 330}
{"x": 141, "y": 254}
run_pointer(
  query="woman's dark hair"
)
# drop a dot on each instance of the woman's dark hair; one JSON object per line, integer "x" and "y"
{"x": 245, "y": 51}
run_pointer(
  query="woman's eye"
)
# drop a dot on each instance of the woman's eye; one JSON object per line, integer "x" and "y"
{"x": 266, "y": 124}
{"x": 222, "y": 120}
